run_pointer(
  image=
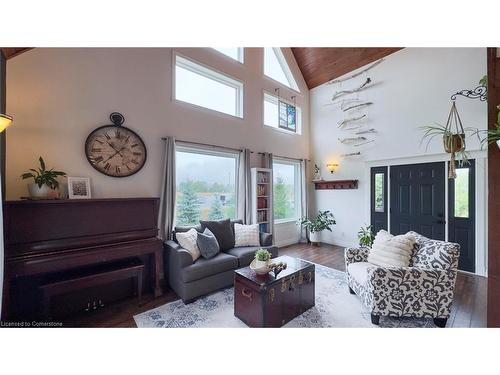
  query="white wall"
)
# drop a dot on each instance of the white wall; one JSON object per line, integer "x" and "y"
{"x": 58, "y": 96}
{"x": 412, "y": 87}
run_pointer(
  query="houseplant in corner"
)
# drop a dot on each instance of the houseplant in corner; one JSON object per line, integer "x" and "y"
{"x": 366, "y": 236}
{"x": 315, "y": 226}
{"x": 45, "y": 181}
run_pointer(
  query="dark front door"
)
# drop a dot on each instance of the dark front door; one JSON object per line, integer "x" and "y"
{"x": 418, "y": 199}
{"x": 461, "y": 204}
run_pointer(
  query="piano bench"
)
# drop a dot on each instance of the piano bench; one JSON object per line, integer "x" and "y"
{"x": 88, "y": 277}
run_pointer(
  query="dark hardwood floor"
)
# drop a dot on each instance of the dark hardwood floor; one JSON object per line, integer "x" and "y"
{"x": 468, "y": 310}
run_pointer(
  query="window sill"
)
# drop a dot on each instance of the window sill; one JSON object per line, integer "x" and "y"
{"x": 285, "y": 221}
{"x": 281, "y": 130}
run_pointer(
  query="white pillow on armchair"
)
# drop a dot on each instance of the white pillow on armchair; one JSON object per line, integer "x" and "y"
{"x": 391, "y": 251}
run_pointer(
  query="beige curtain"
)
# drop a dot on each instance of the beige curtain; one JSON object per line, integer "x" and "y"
{"x": 245, "y": 187}
{"x": 167, "y": 195}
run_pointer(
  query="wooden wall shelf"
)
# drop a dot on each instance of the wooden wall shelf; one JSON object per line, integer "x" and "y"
{"x": 336, "y": 184}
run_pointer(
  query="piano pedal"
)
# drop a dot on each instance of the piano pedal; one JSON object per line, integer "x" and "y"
{"x": 87, "y": 309}
{"x": 101, "y": 304}
{"x": 94, "y": 305}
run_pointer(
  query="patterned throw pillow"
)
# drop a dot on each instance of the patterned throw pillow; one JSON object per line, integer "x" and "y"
{"x": 391, "y": 251}
{"x": 188, "y": 241}
{"x": 207, "y": 243}
{"x": 246, "y": 235}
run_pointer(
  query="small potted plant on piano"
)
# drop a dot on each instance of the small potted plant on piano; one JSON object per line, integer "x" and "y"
{"x": 45, "y": 181}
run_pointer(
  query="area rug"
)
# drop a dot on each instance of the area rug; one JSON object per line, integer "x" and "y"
{"x": 335, "y": 308}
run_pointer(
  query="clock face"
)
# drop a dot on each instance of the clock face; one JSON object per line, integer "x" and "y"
{"x": 115, "y": 151}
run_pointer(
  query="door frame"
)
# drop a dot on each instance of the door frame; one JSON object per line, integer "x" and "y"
{"x": 481, "y": 187}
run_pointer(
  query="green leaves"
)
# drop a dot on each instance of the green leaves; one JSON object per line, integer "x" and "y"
{"x": 484, "y": 81}
{"x": 42, "y": 176}
{"x": 365, "y": 236}
{"x": 323, "y": 221}
{"x": 262, "y": 255}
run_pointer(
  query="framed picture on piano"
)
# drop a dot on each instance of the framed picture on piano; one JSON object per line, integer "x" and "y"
{"x": 79, "y": 188}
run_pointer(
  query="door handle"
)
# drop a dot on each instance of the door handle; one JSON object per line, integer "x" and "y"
{"x": 440, "y": 222}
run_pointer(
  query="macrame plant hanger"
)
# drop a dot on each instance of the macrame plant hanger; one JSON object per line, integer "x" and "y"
{"x": 454, "y": 138}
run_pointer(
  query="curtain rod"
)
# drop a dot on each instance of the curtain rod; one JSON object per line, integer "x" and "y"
{"x": 285, "y": 157}
{"x": 231, "y": 148}
{"x": 206, "y": 145}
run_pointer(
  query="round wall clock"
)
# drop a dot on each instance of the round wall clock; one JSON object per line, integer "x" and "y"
{"x": 114, "y": 149}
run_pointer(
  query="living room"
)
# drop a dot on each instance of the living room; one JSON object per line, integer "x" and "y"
{"x": 195, "y": 185}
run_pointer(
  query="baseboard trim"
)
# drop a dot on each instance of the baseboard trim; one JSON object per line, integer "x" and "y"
{"x": 287, "y": 243}
{"x": 341, "y": 243}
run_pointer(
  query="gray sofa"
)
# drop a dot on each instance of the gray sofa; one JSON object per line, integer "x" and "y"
{"x": 191, "y": 280}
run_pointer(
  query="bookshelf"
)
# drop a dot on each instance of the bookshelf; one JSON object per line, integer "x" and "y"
{"x": 262, "y": 198}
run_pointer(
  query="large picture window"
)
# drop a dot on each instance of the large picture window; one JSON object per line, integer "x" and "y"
{"x": 206, "y": 185}
{"x": 207, "y": 88}
{"x": 286, "y": 190}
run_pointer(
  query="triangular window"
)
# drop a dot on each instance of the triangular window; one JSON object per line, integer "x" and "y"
{"x": 276, "y": 67}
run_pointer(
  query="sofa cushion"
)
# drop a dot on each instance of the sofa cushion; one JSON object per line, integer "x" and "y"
{"x": 183, "y": 229}
{"x": 359, "y": 271}
{"x": 246, "y": 235}
{"x": 188, "y": 240}
{"x": 222, "y": 231}
{"x": 246, "y": 254}
{"x": 207, "y": 267}
{"x": 207, "y": 243}
{"x": 391, "y": 251}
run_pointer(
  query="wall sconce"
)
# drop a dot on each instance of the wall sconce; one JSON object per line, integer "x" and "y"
{"x": 331, "y": 167}
{"x": 5, "y": 121}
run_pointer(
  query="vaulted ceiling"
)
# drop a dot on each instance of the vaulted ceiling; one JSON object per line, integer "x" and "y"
{"x": 320, "y": 65}
{"x": 10, "y": 52}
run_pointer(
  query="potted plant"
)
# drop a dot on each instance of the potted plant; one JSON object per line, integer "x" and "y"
{"x": 262, "y": 258}
{"x": 492, "y": 135}
{"x": 45, "y": 181}
{"x": 322, "y": 222}
{"x": 365, "y": 236}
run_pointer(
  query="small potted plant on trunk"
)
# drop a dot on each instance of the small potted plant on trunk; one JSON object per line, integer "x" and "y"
{"x": 45, "y": 181}
{"x": 315, "y": 226}
{"x": 262, "y": 258}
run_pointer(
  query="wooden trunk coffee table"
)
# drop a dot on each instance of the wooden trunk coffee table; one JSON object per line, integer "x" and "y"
{"x": 268, "y": 301}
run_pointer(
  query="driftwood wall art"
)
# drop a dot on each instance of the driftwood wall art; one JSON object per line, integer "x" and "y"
{"x": 361, "y": 87}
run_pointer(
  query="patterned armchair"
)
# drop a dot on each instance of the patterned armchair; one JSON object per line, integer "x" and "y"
{"x": 422, "y": 290}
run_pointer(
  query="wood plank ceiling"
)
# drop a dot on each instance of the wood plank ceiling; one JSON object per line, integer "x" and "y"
{"x": 12, "y": 52}
{"x": 320, "y": 65}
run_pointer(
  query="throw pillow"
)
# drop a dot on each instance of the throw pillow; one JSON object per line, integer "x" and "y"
{"x": 207, "y": 243}
{"x": 246, "y": 235}
{"x": 391, "y": 251}
{"x": 188, "y": 241}
{"x": 222, "y": 231}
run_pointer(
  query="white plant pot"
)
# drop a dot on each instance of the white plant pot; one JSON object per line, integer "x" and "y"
{"x": 261, "y": 263}
{"x": 315, "y": 237}
{"x": 40, "y": 192}
{"x": 498, "y": 143}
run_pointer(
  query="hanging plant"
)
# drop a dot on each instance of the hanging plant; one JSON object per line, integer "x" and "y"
{"x": 453, "y": 134}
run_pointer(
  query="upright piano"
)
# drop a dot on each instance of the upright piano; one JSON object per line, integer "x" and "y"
{"x": 43, "y": 237}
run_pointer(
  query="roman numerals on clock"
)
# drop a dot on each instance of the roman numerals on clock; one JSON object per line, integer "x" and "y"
{"x": 115, "y": 150}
